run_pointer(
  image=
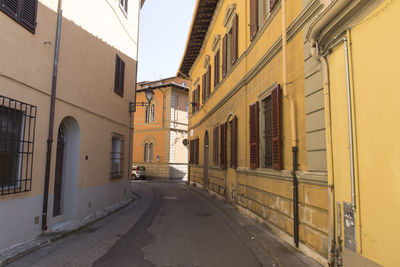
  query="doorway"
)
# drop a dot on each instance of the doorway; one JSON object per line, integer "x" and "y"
{"x": 66, "y": 175}
{"x": 205, "y": 165}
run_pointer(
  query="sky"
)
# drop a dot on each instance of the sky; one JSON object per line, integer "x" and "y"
{"x": 164, "y": 27}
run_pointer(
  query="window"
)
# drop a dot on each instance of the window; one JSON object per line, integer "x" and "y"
{"x": 22, "y": 11}
{"x": 215, "y": 145}
{"x": 259, "y": 11}
{"x": 217, "y": 67}
{"x": 119, "y": 76}
{"x": 270, "y": 132}
{"x": 194, "y": 151}
{"x": 17, "y": 134}
{"x": 230, "y": 46}
{"x": 149, "y": 114}
{"x": 117, "y": 155}
{"x": 148, "y": 152}
{"x": 222, "y": 151}
{"x": 124, "y": 6}
{"x": 195, "y": 99}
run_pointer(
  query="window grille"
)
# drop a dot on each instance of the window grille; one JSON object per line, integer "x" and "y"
{"x": 117, "y": 156}
{"x": 17, "y": 134}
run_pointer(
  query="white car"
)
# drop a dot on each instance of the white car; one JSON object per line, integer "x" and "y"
{"x": 138, "y": 172}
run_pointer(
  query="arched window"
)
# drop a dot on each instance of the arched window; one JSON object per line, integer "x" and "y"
{"x": 149, "y": 115}
{"x": 148, "y": 152}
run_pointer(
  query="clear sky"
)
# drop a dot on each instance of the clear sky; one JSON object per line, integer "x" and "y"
{"x": 164, "y": 26}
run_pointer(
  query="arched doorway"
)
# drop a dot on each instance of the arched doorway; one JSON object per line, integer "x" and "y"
{"x": 66, "y": 174}
{"x": 205, "y": 166}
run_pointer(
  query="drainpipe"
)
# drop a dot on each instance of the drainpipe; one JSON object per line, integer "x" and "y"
{"x": 131, "y": 111}
{"x": 329, "y": 159}
{"x": 51, "y": 120}
{"x": 293, "y": 128}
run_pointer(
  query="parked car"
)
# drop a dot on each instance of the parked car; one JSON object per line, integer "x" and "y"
{"x": 138, "y": 172}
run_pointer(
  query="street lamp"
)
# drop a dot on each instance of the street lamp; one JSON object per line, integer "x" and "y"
{"x": 149, "y": 98}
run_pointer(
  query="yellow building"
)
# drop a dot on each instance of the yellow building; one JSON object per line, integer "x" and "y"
{"x": 256, "y": 125}
{"x": 161, "y": 127}
{"x": 357, "y": 45}
{"x": 67, "y": 76}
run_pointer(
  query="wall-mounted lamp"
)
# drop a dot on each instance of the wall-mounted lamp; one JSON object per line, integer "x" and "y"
{"x": 149, "y": 98}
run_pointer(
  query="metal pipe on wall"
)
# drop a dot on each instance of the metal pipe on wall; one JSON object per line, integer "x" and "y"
{"x": 293, "y": 127}
{"x": 51, "y": 120}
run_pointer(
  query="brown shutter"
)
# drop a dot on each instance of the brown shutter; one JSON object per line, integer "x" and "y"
{"x": 121, "y": 77}
{"x": 191, "y": 152}
{"x": 224, "y": 55}
{"x": 209, "y": 80}
{"x": 117, "y": 74}
{"x": 215, "y": 145}
{"x": 254, "y": 136}
{"x": 272, "y": 4}
{"x": 28, "y": 13}
{"x": 222, "y": 160}
{"x": 198, "y": 98}
{"x": 234, "y": 143}
{"x": 276, "y": 129}
{"x": 197, "y": 151}
{"x": 234, "y": 40}
{"x": 10, "y": 7}
{"x": 216, "y": 69}
{"x": 253, "y": 18}
{"x": 193, "y": 101}
{"x": 203, "y": 88}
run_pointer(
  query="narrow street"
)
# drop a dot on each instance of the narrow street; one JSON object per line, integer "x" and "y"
{"x": 169, "y": 225}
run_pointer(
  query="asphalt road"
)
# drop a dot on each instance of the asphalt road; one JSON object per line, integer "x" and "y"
{"x": 168, "y": 225}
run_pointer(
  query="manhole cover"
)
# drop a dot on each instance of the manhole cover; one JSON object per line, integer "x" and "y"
{"x": 170, "y": 198}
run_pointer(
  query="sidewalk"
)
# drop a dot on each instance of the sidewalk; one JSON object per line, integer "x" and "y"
{"x": 275, "y": 247}
{"x": 140, "y": 200}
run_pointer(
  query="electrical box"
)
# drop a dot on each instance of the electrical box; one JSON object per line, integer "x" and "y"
{"x": 349, "y": 226}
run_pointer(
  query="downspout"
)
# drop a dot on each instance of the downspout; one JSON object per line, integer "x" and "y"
{"x": 51, "y": 120}
{"x": 293, "y": 128}
{"x": 131, "y": 111}
{"x": 329, "y": 158}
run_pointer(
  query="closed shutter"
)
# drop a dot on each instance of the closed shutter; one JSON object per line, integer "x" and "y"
{"x": 28, "y": 13}
{"x": 209, "y": 80}
{"x": 222, "y": 160}
{"x": 234, "y": 40}
{"x": 10, "y": 7}
{"x": 276, "y": 129}
{"x": 234, "y": 143}
{"x": 216, "y": 69}
{"x": 193, "y": 101}
{"x": 122, "y": 77}
{"x": 197, "y": 151}
{"x": 253, "y": 18}
{"x": 191, "y": 152}
{"x": 254, "y": 136}
{"x": 215, "y": 145}
{"x": 272, "y": 4}
{"x": 204, "y": 89}
{"x": 119, "y": 76}
{"x": 198, "y": 98}
{"x": 224, "y": 55}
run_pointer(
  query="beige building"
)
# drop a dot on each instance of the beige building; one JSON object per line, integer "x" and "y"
{"x": 161, "y": 128}
{"x": 67, "y": 77}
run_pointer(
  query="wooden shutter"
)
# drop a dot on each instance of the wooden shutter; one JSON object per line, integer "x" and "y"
{"x": 10, "y": 7}
{"x": 234, "y": 143}
{"x": 191, "y": 152}
{"x": 254, "y": 136}
{"x": 203, "y": 89}
{"x": 222, "y": 160}
{"x": 122, "y": 77}
{"x": 276, "y": 129}
{"x": 215, "y": 145}
{"x": 253, "y": 18}
{"x": 197, "y": 151}
{"x": 117, "y": 75}
{"x": 216, "y": 69}
{"x": 193, "y": 101}
{"x": 224, "y": 55}
{"x": 272, "y": 4}
{"x": 28, "y": 13}
{"x": 234, "y": 39}
{"x": 209, "y": 80}
{"x": 198, "y": 98}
